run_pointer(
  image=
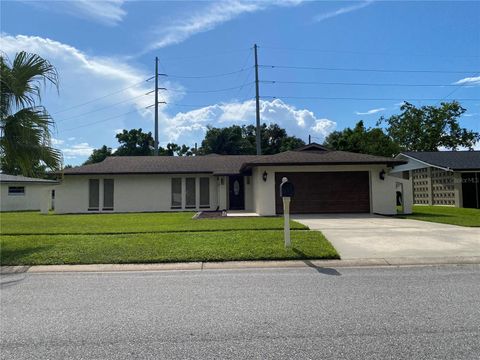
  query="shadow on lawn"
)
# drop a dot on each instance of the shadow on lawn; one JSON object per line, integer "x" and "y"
{"x": 12, "y": 260}
{"x": 319, "y": 269}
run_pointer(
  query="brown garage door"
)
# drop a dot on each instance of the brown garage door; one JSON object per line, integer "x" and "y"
{"x": 326, "y": 192}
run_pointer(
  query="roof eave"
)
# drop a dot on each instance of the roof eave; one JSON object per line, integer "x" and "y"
{"x": 292, "y": 163}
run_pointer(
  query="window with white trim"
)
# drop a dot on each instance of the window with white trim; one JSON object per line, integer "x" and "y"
{"x": 204, "y": 192}
{"x": 108, "y": 194}
{"x": 93, "y": 194}
{"x": 190, "y": 193}
{"x": 176, "y": 193}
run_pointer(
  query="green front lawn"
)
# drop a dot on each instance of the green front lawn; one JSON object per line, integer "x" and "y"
{"x": 36, "y": 223}
{"x": 34, "y": 239}
{"x": 163, "y": 247}
{"x": 445, "y": 215}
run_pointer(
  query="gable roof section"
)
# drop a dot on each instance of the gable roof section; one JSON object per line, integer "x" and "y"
{"x": 223, "y": 164}
{"x": 452, "y": 160}
{"x": 4, "y": 178}
{"x": 313, "y": 147}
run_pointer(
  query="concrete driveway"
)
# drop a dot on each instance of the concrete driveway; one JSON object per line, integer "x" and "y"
{"x": 372, "y": 236}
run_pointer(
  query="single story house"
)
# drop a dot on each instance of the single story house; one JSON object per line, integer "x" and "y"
{"x": 443, "y": 177}
{"x": 325, "y": 182}
{"x": 20, "y": 193}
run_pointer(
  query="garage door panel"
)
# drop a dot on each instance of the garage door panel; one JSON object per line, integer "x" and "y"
{"x": 326, "y": 192}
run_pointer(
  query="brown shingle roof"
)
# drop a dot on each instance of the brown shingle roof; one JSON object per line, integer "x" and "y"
{"x": 218, "y": 165}
{"x": 321, "y": 158}
{"x": 223, "y": 164}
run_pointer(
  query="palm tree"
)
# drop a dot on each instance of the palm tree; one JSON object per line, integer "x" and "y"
{"x": 25, "y": 144}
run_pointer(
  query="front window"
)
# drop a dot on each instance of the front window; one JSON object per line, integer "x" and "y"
{"x": 190, "y": 193}
{"x": 108, "y": 194}
{"x": 176, "y": 193}
{"x": 204, "y": 192}
{"x": 93, "y": 194}
{"x": 16, "y": 190}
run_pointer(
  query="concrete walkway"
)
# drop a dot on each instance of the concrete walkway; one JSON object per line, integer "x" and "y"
{"x": 366, "y": 236}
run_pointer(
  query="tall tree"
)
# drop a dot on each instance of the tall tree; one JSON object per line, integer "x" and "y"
{"x": 363, "y": 140}
{"x": 428, "y": 128}
{"x": 25, "y": 145}
{"x": 98, "y": 155}
{"x": 134, "y": 142}
{"x": 240, "y": 140}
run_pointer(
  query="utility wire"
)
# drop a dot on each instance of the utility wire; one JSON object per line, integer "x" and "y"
{"x": 100, "y": 109}
{"x": 210, "y": 75}
{"x": 367, "y": 52}
{"x": 354, "y": 98}
{"x": 101, "y": 97}
{"x": 209, "y": 55}
{"x": 205, "y": 105}
{"x": 100, "y": 121}
{"x": 208, "y": 91}
{"x": 455, "y": 90}
{"x": 355, "y": 84}
{"x": 367, "y": 70}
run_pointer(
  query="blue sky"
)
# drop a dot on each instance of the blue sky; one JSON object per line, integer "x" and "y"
{"x": 320, "y": 50}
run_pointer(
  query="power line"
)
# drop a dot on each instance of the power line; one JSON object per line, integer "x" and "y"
{"x": 367, "y": 70}
{"x": 455, "y": 90}
{"x": 209, "y": 55}
{"x": 101, "y": 97}
{"x": 355, "y": 98}
{"x": 367, "y": 52}
{"x": 210, "y": 75}
{"x": 209, "y": 91}
{"x": 100, "y": 109}
{"x": 100, "y": 121}
{"x": 356, "y": 84}
{"x": 206, "y": 105}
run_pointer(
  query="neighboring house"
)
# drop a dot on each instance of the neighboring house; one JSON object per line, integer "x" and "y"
{"x": 20, "y": 193}
{"x": 443, "y": 177}
{"x": 325, "y": 182}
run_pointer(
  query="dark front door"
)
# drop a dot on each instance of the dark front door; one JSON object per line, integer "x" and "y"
{"x": 236, "y": 193}
{"x": 326, "y": 192}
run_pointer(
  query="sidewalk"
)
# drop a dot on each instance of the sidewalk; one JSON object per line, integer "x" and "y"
{"x": 199, "y": 266}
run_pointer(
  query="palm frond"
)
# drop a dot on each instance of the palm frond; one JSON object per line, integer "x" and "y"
{"x": 23, "y": 79}
{"x": 26, "y": 141}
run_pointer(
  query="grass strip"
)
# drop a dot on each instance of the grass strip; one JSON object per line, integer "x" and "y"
{"x": 162, "y": 247}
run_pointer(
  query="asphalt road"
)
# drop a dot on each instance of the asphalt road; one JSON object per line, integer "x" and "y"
{"x": 374, "y": 313}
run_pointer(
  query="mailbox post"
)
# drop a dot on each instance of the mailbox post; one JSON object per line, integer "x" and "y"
{"x": 286, "y": 192}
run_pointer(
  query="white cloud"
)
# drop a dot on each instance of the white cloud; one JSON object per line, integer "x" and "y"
{"x": 185, "y": 126}
{"x": 471, "y": 114}
{"x": 323, "y": 127}
{"x": 83, "y": 76}
{"x": 77, "y": 150}
{"x": 208, "y": 18}
{"x": 57, "y": 141}
{"x": 107, "y": 12}
{"x": 468, "y": 81}
{"x": 370, "y": 112}
{"x": 341, "y": 11}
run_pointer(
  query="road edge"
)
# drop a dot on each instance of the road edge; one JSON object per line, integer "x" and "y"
{"x": 270, "y": 264}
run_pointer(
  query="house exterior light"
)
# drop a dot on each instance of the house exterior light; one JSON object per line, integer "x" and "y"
{"x": 264, "y": 176}
{"x": 382, "y": 175}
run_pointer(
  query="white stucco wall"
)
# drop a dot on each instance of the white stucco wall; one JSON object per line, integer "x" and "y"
{"x": 248, "y": 193}
{"x": 132, "y": 193}
{"x": 36, "y": 197}
{"x": 382, "y": 192}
